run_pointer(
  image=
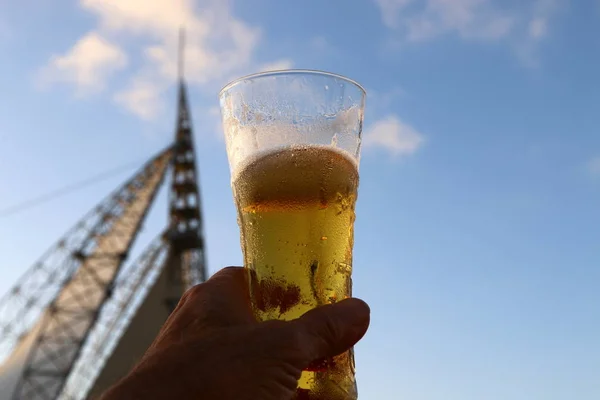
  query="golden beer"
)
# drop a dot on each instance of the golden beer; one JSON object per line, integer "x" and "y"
{"x": 293, "y": 145}
{"x": 296, "y": 217}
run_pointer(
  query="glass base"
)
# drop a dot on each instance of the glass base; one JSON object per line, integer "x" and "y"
{"x": 330, "y": 380}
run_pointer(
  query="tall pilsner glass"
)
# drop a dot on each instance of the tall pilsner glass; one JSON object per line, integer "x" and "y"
{"x": 293, "y": 143}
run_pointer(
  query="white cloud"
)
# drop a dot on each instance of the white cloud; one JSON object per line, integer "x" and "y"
{"x": 87, "y": 65}
{"x": 543, "y": 11}
{"x": 393, "y": 135}
{"x": 275, "y": 66}
{"x": 142, "y": 98}
{"x": 484, "y": 20}
{"x": 217, "y": 43}
{"x": 538, "y": 28}
{"x": 218, "y": 46}
{"x": 390, "y": 10}
{"x": 140, "y": 16}
{"x": 421, "y": 20}
{"x": 593, "y": 167}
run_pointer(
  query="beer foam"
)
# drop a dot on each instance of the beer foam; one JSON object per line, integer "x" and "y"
{"x": 259, "y": 135}
{"x": 265, "y": 153}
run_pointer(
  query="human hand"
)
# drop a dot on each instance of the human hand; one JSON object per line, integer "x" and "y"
{"x": 212, "y": 348}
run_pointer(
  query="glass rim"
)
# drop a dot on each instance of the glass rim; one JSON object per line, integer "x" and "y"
{"x": 292, "y": 71}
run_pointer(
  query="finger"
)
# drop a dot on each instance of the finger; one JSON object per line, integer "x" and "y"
{"x": 221, "y": 301}
{"x": 332, "y": 329}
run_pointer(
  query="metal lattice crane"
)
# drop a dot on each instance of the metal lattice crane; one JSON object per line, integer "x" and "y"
{"x": 80, "y": 317}
{"x": 131, "y": 287}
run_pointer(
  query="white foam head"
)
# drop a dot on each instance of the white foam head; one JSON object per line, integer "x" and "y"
{"x": 267, "y": 112}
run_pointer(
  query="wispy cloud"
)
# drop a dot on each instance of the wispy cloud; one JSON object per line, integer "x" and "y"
{"x": 543, "y": 12}
{"x": 142, "y": 97}
{"x": 421, "y": 20}
{"x": 522, "y": 26}
{"x": 394, "y": 136}
{"x": 87, "y": 65}
{"x": 218, "y": 46}
{"x": 277, "y": 65}
{"x": 538, "y": 29}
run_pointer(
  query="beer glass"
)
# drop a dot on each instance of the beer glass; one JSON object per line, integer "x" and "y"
{"x": 293, "y": 143}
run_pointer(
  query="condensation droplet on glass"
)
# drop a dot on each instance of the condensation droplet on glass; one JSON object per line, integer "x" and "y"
{"x": 344, "y": 268}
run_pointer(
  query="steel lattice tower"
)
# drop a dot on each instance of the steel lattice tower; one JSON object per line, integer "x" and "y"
{"x": 80, "y": 318}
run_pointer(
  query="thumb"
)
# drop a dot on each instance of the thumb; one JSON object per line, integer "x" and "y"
{"x": 331, "y": 329}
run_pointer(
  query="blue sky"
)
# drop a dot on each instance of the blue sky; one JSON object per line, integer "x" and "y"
{"x": 478, "y": 223}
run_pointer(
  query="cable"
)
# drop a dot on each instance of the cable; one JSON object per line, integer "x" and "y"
{"x": 25, "y": 205}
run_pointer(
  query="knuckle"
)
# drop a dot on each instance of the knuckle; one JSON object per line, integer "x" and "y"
{"x": 192, "y": 293}
{"x": 228, "y": 271}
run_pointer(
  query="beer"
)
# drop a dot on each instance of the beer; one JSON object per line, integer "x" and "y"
{"x": 296, "y": 217}
{"x": 293, "y": 143}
